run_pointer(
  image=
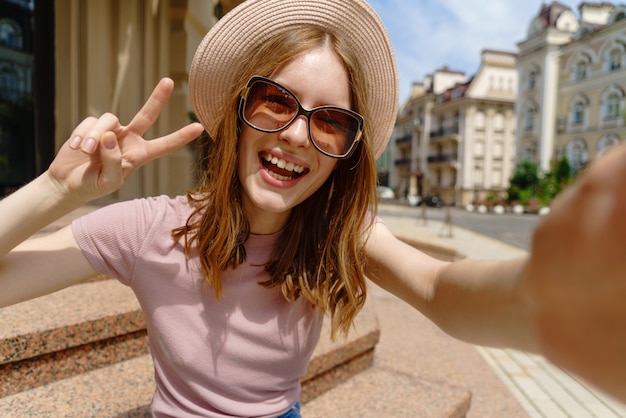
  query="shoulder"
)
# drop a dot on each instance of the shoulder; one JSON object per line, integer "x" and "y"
{"x": 137, "y": 217}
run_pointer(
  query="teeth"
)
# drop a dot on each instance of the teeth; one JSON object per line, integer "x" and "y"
{"x": 282, "y": 164}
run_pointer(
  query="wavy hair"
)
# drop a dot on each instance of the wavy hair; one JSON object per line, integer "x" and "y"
{"x": 320, "y": 254}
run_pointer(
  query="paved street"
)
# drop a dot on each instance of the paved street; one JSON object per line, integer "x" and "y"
{"x": 509, "y": 228}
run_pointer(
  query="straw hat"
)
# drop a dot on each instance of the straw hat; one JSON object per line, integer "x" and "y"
{"x": 240, "y": 31}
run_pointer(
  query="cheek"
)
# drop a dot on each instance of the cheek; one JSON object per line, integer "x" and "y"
{"x": 245, "y": 147}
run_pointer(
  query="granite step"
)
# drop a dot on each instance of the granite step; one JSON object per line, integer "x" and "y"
{"x": 73, "y": 331}
{"x": 120, "y": 390}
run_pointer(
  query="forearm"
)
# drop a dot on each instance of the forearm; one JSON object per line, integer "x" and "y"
{"x": 482, "y": 302}
{"x": 31, "y": 208}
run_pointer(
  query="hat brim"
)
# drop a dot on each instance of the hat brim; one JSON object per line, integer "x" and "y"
{"x": 248, "y": 25}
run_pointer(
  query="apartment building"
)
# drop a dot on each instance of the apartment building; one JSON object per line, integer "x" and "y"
{"x": 455, "y": 136}
{"x": 572, "y": 83}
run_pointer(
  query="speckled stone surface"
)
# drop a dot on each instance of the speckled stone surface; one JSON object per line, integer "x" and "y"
{"x": 412, "y": 344}
{"x": 122, "y": 390}
{"x": 378, "y": 392}
{"x": 73, "y": 331}
{"x": 79, "y": 314}
{"x": 336, "y": 361}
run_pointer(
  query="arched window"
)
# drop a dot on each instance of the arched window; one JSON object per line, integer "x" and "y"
{"x": 615, "y": 59}
{"x": 10, "y": 34}
{"x": 578, "y": 110}
{"x": 577, "y": 154}
{"x": 9, "y": 83}
{"x": 580, "y": 66}
{"x": 614, "y": 55}
{"x": 531, "y": 78}
{"x": 607, "y": 142}
{"x": 618, "y": 13}
{"x": 529, "y": 117}
{"x": 612, "y": 103}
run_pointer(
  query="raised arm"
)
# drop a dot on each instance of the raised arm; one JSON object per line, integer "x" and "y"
{"x": 96, "y": 159}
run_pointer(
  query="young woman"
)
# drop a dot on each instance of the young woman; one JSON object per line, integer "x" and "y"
{"x": 299, "y": 99}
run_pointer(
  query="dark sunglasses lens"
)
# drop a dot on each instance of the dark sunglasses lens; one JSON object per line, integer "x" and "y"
{"x": 268, "y": 107}
{"x": 333, "y": 131}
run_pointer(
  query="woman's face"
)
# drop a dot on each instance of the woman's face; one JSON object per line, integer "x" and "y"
{"x": 282, "y": 169}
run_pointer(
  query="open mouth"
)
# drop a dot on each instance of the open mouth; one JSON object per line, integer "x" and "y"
{"x": 280, "y": 169}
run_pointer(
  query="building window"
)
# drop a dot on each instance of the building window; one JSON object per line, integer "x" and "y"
{"x": 613, "y": 106}
{"x": 531, "y": 79}
{"x": 10, "y": 34}
{"x": 614, "y": 54}
{"x": 612, "y": 103}
{"x": 607, "y": 142}
{"x": 529, "y": 119}
{"x": 581, "y": 66}
{"x": 581, "y": 71}
{"x": 9, "y": 84}
{"x": 577, "y": 154}
{"x": 578, "y": 113}
{"x": 615, "y": 59}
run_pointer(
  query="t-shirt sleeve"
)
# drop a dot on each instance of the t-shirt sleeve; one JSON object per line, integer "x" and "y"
{"x": 111, "y": 238}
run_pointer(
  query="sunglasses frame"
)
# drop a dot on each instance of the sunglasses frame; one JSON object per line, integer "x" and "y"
{"x": 301, "y": 111}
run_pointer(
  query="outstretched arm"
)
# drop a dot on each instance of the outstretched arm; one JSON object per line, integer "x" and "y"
{"x": 96, "y": 159}
{"x": 477, "y": 301}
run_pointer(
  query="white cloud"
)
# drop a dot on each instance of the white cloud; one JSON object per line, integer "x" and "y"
{"x": 428, "y": 34}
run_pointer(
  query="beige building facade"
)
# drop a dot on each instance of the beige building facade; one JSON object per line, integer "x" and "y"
{"x": 572, "y": 84}
{"x": 455, "y": 137}
{"x": 111, "y": 53}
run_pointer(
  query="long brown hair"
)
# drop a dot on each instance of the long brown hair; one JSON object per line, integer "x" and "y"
{"x": 320, "y": 254}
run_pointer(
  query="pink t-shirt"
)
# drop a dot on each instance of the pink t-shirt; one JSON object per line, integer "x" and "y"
{"x": 243, "y": 355}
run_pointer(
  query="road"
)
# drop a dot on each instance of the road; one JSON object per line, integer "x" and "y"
{"x": 512, "y": 229}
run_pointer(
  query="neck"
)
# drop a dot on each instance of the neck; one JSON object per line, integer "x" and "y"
{"x": 264, "y": 222}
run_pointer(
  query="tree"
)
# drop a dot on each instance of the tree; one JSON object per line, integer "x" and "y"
{"x": 523, "y": 182}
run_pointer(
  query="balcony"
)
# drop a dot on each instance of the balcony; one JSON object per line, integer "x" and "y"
{"x": 403, "y": 162}
{"x": 406, "y": 139}
{"x": 445, "y": 133}
{"x": 433, "y": 159}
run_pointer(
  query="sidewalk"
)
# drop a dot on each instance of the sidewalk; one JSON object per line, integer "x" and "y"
{"x": 540, "y": 388}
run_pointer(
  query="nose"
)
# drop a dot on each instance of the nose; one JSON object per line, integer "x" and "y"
{"x": 297, "y": 133}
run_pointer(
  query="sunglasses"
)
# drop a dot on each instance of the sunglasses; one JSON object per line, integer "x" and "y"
{"x": 269, "y": 107}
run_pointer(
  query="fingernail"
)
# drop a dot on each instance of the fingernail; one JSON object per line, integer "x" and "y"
{"x": 110, "y": 142}
{"x": 75, "y": 142}
{"x": 89, "y": 145}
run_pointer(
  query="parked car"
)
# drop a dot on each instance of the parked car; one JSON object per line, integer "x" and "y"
{"x": 385, "y": 193}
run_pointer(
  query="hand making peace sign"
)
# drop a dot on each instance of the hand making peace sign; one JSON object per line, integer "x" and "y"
{"x": 101, "y": 153}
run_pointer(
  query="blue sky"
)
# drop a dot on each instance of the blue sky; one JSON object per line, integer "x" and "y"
{"x": 427, "y": 34}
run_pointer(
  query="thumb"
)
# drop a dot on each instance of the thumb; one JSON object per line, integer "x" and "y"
{"x": 111, "y": 177}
